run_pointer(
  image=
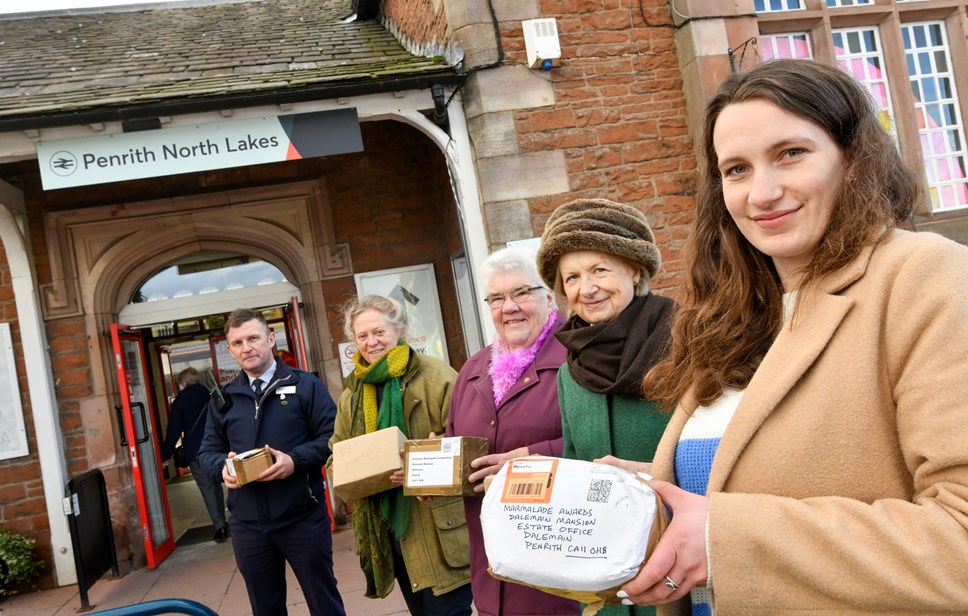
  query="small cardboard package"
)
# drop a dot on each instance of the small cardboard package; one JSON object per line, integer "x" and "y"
{"x": 247, "y": 466}
{"x": 362, "y": 465}
{"x": 441, "y": 466}
{"x": 568, "y": 527}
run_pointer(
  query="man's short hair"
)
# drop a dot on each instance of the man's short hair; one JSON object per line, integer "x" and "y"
{"x": 240, "y": 316}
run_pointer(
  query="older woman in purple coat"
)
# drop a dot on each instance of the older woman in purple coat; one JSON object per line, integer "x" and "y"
{"x": 508, "y": 393}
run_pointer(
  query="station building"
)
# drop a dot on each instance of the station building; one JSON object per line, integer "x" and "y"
{"x": 161, "y": 165}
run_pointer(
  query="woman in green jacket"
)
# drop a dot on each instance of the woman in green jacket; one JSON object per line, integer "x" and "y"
{"x": 600, "y": 256}
{"x": 423, "y": 545}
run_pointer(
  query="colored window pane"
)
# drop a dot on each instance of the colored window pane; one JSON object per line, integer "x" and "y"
{"x": 937, "y": 111}
{"x": 858, "y": 53}
{"x": 795, "y": 45}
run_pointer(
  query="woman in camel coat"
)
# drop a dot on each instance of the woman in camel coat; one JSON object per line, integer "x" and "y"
{"x": 817, "y": 460}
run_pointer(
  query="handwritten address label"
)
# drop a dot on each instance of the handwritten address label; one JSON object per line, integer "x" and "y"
{"x": 568, "y": 530}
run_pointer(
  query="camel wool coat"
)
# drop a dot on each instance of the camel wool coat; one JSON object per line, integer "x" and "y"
{"x": 841, "y": 484}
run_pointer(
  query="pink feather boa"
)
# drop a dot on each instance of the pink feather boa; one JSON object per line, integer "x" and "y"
{"x": 507, "y": 366}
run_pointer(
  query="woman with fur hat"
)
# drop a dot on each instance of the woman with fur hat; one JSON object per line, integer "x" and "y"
{"x": 600, "y": 255}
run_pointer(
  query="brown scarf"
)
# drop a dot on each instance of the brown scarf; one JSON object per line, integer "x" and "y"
{"x": 612, "y": 357}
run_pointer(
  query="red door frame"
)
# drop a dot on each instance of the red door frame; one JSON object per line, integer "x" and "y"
{"x": 155, "y": 553}
{"x": 294, "y": 333}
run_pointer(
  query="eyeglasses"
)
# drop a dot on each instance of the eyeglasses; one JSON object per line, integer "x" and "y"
{"x": 518, "y": 296}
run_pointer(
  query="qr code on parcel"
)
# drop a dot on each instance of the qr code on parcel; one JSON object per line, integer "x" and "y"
{"x": 599, "y": 490}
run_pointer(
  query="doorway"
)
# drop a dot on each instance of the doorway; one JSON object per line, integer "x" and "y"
{"x": 178, "y": 339}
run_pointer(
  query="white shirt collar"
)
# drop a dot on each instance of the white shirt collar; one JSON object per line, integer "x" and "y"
{"x": 265, "y": 376}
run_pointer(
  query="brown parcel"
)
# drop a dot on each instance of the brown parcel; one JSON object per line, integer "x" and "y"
{"x": 362, "y": 465}
{"x": 247, "y": 466}
{"x": 447, "y": 459}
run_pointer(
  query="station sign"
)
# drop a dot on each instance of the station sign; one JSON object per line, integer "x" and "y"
{"x": 189, "y": 149}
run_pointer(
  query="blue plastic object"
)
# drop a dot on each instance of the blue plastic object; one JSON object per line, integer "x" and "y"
{"x": 546, "y": 65}
{"x": 160, "y": 606}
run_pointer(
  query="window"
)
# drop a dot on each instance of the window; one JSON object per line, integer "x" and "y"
{"x": 774, "y": 6}
{"x": 938, "y": 114}
{"x": 859, "y": 53}
{"x": 907, "y": 53}
{"x": 794, "y": 46}
{"x": 207, "y": 273}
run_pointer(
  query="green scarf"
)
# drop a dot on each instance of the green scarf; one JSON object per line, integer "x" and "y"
{"x": 376, "y": 516}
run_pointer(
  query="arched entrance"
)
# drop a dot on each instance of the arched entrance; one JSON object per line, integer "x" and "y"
{"x": 174, "y": 326}
{"x": 113, "y": 251}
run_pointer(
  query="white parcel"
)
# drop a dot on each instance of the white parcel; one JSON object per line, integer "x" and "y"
{"x": 569, "y": 527}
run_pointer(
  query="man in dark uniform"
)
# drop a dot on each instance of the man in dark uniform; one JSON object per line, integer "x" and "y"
{"x": 282, "y": 516}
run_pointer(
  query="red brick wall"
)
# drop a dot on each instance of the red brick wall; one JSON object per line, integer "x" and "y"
{"x": 619, "y": 116}
{"x": 418, "y": 21}
{"x": 22, "y": 505}
{"x": 402, "y": 214}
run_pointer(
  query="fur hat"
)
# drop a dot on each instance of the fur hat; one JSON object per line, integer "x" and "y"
{"x": 597, "y": 224}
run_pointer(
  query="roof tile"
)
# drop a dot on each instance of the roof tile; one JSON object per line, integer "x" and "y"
{"x": 52, "y": 63}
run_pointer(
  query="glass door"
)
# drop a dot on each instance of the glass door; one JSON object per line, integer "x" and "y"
{"x": 139, "y": 427}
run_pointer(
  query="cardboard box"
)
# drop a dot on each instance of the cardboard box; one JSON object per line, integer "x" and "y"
{"x": 247, "y": 466}
{"x": 440, "y": 467}
{"x": 362, "y": 465}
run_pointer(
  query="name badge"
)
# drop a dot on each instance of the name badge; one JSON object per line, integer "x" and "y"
{"x": 289, "y": 389}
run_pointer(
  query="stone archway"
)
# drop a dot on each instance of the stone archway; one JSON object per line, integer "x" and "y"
{"x": 108, "y": 251}
{"x": 100, "y": 255}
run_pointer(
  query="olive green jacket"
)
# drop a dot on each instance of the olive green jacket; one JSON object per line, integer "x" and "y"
{"x": 435, "y": 547}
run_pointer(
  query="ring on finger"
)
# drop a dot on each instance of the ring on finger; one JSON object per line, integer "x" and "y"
{"x": 671, "y": 584}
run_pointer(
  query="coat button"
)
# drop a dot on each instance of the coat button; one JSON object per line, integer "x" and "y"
{"x": 492, "y": 423}
{"x": 414, "y": 584}
{"x": 449, "y": 523}
{"x": 527, "y": 379}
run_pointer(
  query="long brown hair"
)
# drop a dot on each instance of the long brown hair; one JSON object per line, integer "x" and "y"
{"x": 734, "y": 300}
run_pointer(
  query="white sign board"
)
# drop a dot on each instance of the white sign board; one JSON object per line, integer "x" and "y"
{"x": 187, "y": 149}
{"x": 416, "y": 289}
{"x": 13, "y": 437}
{"x": 346, "y": 352}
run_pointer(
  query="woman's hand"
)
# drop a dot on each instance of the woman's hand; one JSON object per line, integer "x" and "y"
{"x": 491, "y": 464}
{"x": 629, "y": 465}
{"x": 397, "y": 477}
{"x": 680, "y": 555}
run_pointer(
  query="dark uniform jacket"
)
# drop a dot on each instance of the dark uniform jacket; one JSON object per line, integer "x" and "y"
{"x": 294, "y": 414}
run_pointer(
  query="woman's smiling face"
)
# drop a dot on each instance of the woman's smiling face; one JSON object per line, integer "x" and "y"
{"x": 781, "y": 175}
{"x": 519, "y": 324}
{"x": 374, "y": 335}
{"x": 599, "y": 286}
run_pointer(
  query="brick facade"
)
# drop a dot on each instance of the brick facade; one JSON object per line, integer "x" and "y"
{"x": 393, "y": 205}
{"x": 22, "y": 506}
{"x": 420, "y": 25}
{"x": 610, "y": 121}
